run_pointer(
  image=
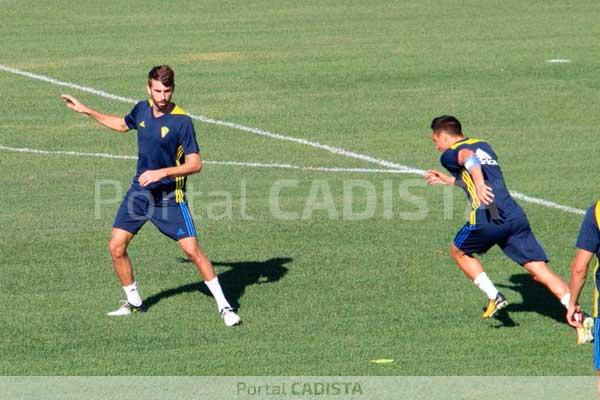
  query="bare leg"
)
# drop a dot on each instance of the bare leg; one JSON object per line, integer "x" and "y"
{"x": 470, "y": 266}
{"x": 540, "y": 271}
{"x": 193, "y": 251}
{"x": 205, "y": 269}
{"x": 117, "y": 247}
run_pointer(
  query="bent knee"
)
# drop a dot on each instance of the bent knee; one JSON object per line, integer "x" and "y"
{"x": 455, "y": 252}
{"x": 539, "y": 271}
{"x": 191, "y": 253}
{"x": 535, "y": 275}
{"x": 116, "y": 249}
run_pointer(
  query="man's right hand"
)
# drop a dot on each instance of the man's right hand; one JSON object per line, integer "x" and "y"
{"x": 574, "y": 316}
{"x": 74, "y": 104}
{"x": 434, "y": 177}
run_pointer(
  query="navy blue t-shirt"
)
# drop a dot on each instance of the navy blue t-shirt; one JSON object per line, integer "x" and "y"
{"x": 508, "y": 208}
{"x": 162, "y": 142}
{"x": 589, "y": 240}
{"x": 589, "y": 233}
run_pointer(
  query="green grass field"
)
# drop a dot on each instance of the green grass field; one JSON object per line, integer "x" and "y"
{"x": 319, "y": 296}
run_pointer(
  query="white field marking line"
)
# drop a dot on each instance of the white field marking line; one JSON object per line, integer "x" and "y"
{"x": 316, "y": 169}
{"x": 331, "y": 149}
{"x": 224, "y": 163}
{"x": 559, "y": 61}
{"x": 516, "y": 195}
{"x": 546, "y": 203}
{"x": 202, "y": 118}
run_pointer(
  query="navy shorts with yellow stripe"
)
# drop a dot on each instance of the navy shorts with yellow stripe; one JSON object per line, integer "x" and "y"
{"x": 514, "y": 237}
{"x": 173, "y": 219}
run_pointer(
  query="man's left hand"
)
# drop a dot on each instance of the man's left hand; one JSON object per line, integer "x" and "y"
{"x": 485, "y": 194}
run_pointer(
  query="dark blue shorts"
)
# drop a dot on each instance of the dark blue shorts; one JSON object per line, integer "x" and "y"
{"x": 514, "y": 237}
{"x": 171, "y": 218}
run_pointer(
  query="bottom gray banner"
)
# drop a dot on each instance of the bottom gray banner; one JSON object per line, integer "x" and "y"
{"x": 299, "y": 387}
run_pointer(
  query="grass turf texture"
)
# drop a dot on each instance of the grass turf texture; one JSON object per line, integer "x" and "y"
{"x": 335, "y": 294}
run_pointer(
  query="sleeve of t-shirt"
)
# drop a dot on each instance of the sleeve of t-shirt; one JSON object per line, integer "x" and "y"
{"x": 188, "y": 138}
{"x": 449, "y": 160}
{"x": 131, "y": 118}
{"x": 459, "y": 182}
{"x": 589, "y": 235}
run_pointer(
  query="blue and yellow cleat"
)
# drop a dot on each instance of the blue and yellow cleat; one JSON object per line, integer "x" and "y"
{"x": 495, "y": 305}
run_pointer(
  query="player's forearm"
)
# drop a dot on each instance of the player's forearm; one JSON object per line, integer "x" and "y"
{"x": 575, "y": 288}
{"x": 182, "y": 170}
{"x": 114, "y": 122}
{"x": 577, "y": 281}
{"x": 477, "y": 175}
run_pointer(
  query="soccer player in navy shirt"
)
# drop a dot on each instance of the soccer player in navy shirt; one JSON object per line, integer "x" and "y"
{"x": 588, "y": 246}
{"x": 167, "y": 154}
{"x": 495, "y": 219}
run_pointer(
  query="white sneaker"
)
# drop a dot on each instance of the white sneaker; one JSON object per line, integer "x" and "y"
{"x": 126, "y": 309}
{"x": 229, "y": 317}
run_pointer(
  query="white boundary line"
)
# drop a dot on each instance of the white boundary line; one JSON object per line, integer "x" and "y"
{"x": 202, "y": 118}
{"x": 546, "y": 203}
{"x": 335, "y": 150}
{"x": 225, "y": 163}
{"x": 559, "y": 61}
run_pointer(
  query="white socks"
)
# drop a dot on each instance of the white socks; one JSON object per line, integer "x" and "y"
{"x": 133, "y": 296}
{"x": 215, "y": 288}
{"x": 565, "y": 300}
{"x": 486, "y": 286}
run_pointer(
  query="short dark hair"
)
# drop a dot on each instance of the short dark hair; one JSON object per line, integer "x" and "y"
{"x": 162, "y": 73}
{"x": 446, "y": 123}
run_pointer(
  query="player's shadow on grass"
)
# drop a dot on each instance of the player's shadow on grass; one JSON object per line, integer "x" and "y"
{"x": 234, "y": 281}
{"x": 536, "y": 298}
{"x": 505, "y": 320}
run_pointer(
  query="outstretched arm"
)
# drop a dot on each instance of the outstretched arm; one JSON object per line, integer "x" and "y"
{"x": 579, "y": 268}
{"x": 469, "y": 160}
{"x": 110, "y": 121}
{"x": 434, "y": 177}
{"x": 192, "y": 165}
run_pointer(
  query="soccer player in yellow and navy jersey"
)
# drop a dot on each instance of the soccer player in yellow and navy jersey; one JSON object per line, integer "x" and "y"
{"x": 167, "y": 154}
{"x": 495, "y": 219}
{"x": 588, "y": 246}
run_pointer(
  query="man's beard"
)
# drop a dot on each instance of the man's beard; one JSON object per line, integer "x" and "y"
{"x": 163, "y": 105}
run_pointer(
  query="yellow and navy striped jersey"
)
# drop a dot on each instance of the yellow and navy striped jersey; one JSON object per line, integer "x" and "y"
{"x": 162, "y": 142}
{"x": 589, "y": 240}
{"x": 507, "y": 206}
